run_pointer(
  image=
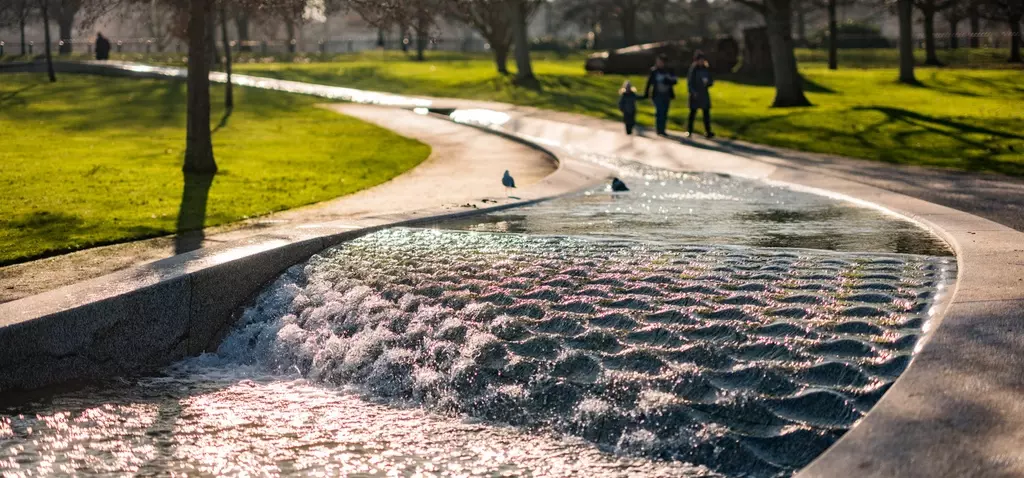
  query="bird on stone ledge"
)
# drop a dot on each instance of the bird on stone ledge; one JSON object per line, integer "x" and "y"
{"x": 508, "y": 182}
{"x": 618, "y": 185}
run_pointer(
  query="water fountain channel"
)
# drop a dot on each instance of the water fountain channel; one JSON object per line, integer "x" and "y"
{"x": 697, "y": 325}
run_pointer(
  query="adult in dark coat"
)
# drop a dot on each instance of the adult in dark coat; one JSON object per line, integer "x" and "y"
{"x": 698, "y": 80}
{"x": 102, "y": 47}
{"x": 661, "y": 90}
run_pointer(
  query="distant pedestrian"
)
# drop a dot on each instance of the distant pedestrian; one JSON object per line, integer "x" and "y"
{"x": 627, "y": 105}
{"x": 102, "y": 47}
{"x": 698, "y": 80}
{"x": 661, "y": 90}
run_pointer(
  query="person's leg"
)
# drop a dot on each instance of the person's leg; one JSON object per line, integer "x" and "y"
{"x": 660, "y": 114}
{"x": 689, "y": 123}
{"x": 707, "y": 122}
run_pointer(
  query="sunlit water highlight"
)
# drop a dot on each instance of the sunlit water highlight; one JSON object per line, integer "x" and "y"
{"x": 596, "y": 335}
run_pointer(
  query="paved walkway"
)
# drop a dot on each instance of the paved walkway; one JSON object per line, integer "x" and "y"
{"x": 464, "y": 167}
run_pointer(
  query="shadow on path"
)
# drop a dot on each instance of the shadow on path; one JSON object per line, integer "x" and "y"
{"x": 192, "y": 214}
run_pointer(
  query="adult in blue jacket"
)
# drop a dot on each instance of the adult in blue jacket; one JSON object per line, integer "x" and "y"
{"x": 661, "y": 90}
{"x": 698, "y": 80}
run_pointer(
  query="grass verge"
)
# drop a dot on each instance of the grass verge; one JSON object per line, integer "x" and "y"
{"x": 92, "y": 160}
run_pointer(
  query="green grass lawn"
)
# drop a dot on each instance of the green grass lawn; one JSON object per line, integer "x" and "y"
{"x": 93, "y": 160}
{"x": 964, "y": 119}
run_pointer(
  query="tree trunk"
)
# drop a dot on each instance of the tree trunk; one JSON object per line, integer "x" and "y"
{"x": 954, "y": 42}
{"x": 229, "y": 96}
{"x": 46, "y": 36}
{"x": 701, "y": 11}
{"x": 789, "y": 89}
{"x": 21, "y": 29}
{"x": 975, "y": 20}
{"x": 906, "y": 18}
{"x": 500, "y": 56}
{"x": 242, "y": 28}
{"x": 833, "y": 34}
{"x": 931, "y": 58}
{"x": 198, "y": 141}
{"x": 211, "y": 39}
{"x": 1015, "y": 40}
{"x": 524, "y": 67}
{"x": 289, "y": 27}
{"x": 64, "y": 27}
{"x": 628, "y": 21}
{"x": 422, "y": 30}
{"x": 801, "y": 22}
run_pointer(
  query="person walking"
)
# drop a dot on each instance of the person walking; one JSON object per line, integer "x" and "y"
{"x": 661, "y": 90}
{"x": 102, "y": 47}
{"x": 627, "y": 105}
{"x": 698, "y": 80}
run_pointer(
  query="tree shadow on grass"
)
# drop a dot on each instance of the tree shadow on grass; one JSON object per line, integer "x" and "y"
{"x": 934, "y": 82}
{"x": 934, "y": 124}
{"x": 997, "y": 85}
{"x": 11, "y": 98}
{"x": 223, "y": 120}
{"x": 810, "y": 86}
{"x": 192, "y": 213}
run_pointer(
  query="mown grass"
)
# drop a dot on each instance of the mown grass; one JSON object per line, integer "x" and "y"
{"x": 957, "y": 118}
{"x": 92, "y": 160}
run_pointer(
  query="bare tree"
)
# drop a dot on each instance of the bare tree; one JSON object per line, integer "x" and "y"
{"x": 160, "y": 25}
{"x": 65, "y": 11}
{"x": 623, "y": 12}
{"x": 420, "y": 14}
{"x": 229, "y": 95}
{"x": 490, "y": 19}
{"x": 16, "y": 13}
{"x": 778, "y": 16}
{"x": 198, "y": 138}
{"x": 44, "y": 10}
{"x": 520, "y": 12}
{"x": 957, "y": 11}
{"x": 1011, "y": 12}
{"x": 974, "y": 17}
{"x": 928, "y": 10}
{"x": 242, "y": 28}
{"x": 905, "y": 10}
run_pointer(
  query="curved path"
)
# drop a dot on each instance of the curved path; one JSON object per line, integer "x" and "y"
{"x": 464, "y": 168}
{"x": 958, "y": 410}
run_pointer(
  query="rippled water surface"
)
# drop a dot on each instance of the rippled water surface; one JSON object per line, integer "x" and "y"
{"x": 710, "y": 208}
{"x": 660, "y": 332}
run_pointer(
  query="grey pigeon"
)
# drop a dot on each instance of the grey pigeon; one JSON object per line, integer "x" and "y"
{"x": 618, "y": 185}
{"x": 507, "y": 180}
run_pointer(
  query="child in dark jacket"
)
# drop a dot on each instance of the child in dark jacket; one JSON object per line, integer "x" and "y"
{"x": 627, "y": 104}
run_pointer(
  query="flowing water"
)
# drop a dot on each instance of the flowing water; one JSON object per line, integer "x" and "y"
{"x": 698, "y": 325}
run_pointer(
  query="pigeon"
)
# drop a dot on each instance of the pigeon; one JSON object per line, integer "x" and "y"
{"x": 618, "y": 185}
{"x": 508, "y": 182}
